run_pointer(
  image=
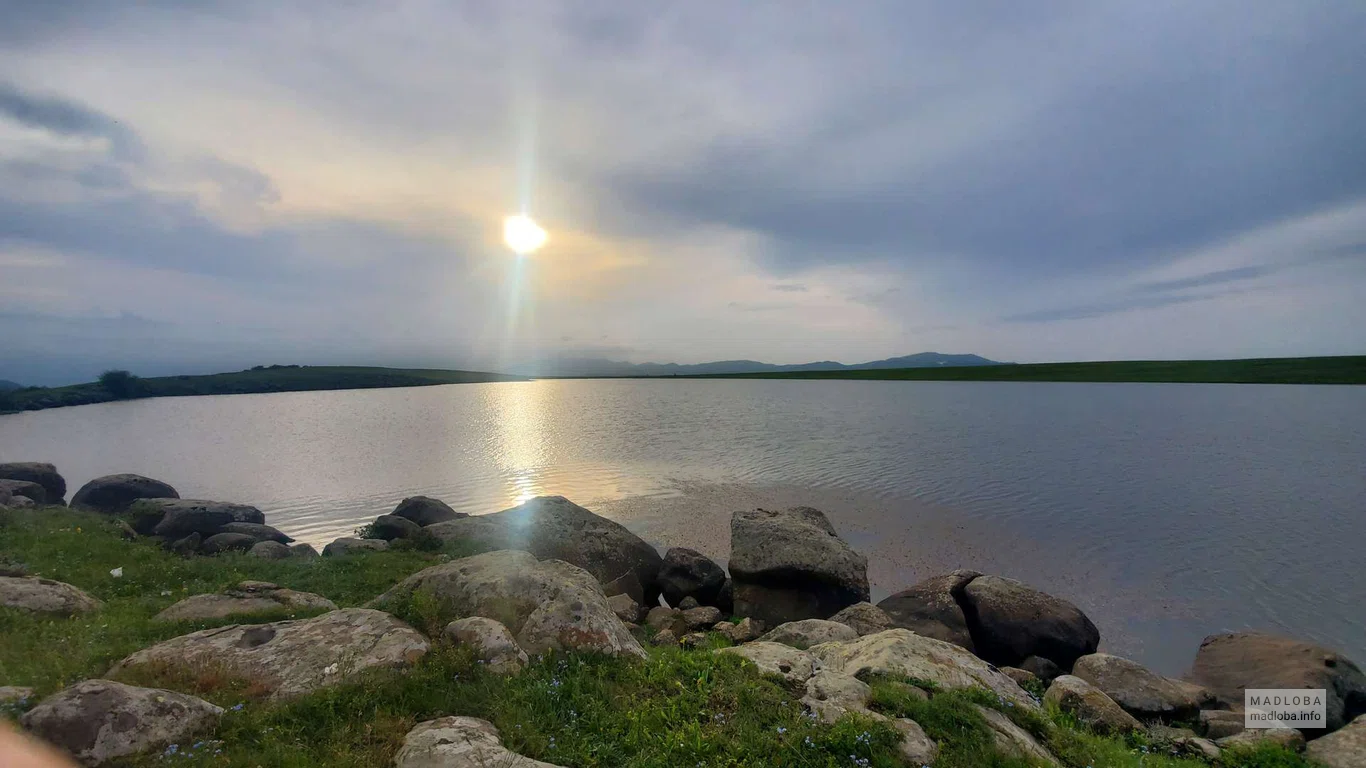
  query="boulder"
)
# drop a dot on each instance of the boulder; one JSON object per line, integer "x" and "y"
{"x": 662, "y": 617}
{"x": 258, "y": 531}
{"x": 1010, "y": 739}
{"x": 790, "y": 565}
{"x": 625, "y": 608}
{"x": 347, "y": 545}
{"x": 664, "y": 637}
{"x": 491, "y": 641}
{"x": 113, "y": 493}
{"x": 1011, "y": 621}
{"x": 864, "y": 618}
{"x": 1021, "y": 676}
{"x": 703, "y": 617}
{"x": 1041, "y": 668}
{"x": 186, "y": 546}
{"x": 687, "y": 604}
{"x": 546, "y": 604}
{"x": 96, "y": 721}
{"x": 270, "y": 550}
{"x": 246, "y": 598}
{"x": 693, "y": 640}
{"x": 459, "y": 742}
{"x": 793, "y": 664}
{"x": 903, "y": 652}
{"x": 1090, "y": 705}
{"x": 391, "y": 527}
{"x": 742, "y": 631}
{"x": 933, "y": 608}
{"x": 182, "y": 517}
{"x": 726, "y": 600}
{"x": 1345, "y": 748}
{"x": 34, "y": 595}
{"x": 425, "y": 511}
{"x": 554, "y": 527}
{"x": 1141, "y": 693}
{"x": 829, "y": 696}
{"x": 303, "y": 550}
{"x": 808, "y": 632}
{"x": 20, "y": 502}
{"x": 288, "y": 658}
{"x": 1218, "y": 723}
{"x": 1290, "y": 738}
{"x": 46, "y": 475}
{"x": 227, "y": 542}
{"x": 1227, "y": 664}
{"x": 917, "y": 748}
{"x": 26, "y": 489}
{"x": 688, "y": 573}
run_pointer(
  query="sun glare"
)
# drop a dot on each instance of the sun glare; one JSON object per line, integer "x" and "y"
{"x": 522, "y": 234}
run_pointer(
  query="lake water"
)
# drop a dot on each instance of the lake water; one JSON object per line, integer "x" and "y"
{"x": 1166, "y": 511}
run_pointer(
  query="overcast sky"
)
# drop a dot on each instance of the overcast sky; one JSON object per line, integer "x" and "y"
{"x": 196, "y": 186}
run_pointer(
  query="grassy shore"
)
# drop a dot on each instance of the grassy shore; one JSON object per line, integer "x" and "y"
{"x": 1267, "y": 370}
{"x": 676, "y": 708}
{"x": 276, "y": 378}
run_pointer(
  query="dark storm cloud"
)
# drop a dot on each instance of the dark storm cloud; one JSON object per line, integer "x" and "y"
{"x": 66, "y": 118}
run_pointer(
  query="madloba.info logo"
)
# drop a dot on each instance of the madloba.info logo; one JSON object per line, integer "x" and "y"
{"x": 1285, "y": 708}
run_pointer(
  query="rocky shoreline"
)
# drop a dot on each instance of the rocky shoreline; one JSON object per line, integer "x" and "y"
{"x": 550, "y": 577}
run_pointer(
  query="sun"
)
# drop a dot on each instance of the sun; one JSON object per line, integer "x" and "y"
{"x": 522, "y": 234}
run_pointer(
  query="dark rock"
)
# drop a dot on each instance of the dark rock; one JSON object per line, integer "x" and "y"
{"x": 702, "y": 617}
{"x": 1228, "y": 664}
{"x": 1041, "y": 668}
{"x": 181, "y": 517}
{"x": 303, "y": 550}
{"x": 625, "y": 584}
{"x": 187, "y": 545}
{"x": 113, "y": 493}
{"x": 391, "y": 527}
{"x": 790, "y": 565}
{"x": 424, "y": 510}
{"x": 554, "y": 527}
{"x": 350, "y": 546}
{"x": 257, "y": 531}
{"x": 227, "y": 542}
{"x": 26, "y": 488}
{"x": 687, "y": 604}
{"x": 1141, "y": 693}
{"x": 688, "y": 573}
{"x": 46, "y": 475}
{"x": 932, "y": 608}
{"x": 1010, "y": 621}
{"x": 726, "y": 600}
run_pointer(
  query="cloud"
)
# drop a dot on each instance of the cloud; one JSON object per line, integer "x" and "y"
{"x": 66, "y": 118}
{"x": 790, "y": 287}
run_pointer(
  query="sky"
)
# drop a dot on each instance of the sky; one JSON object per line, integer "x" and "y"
{"x": 200, "y": 185}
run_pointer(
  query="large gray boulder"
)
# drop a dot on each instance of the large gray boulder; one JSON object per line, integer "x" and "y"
{"x": 392, "y": 527}
{"x": 97, "y": 721}
{"x": 1011, "y": 621}
{"x": 1345, "y": 748}
{"x": 113, "y": 493}
{"x": 459, "y": 742}
{"x": 1140, "y": 692}
{"x": 554, "y": 527}
{"x": 248, "y": 597}
{"x": 864, "y": 618}
{"x": 1227, "y": 664}
{"x": 33, "y": 595}
{"x": 689, "y": 573}
{"x": 182, "y": 517}
{"x": 933, "y": 608}
{"x": 258, "y": 532}
{"x": 288, "y": 658}
{"x": 26, "y": 489}
{"x": 425, "y": 511}
{"x": 808, "y": 632}
{"x": 227, "y": 542}
{"x": 546, "y": 604}
{"x": 46, "y": 475}
{"x": 1090, "y": 705}
{"x": 790, "y": 565}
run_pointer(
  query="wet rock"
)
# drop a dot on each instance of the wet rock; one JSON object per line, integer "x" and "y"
{"x": 97, "y": 721}
{"x": 793, "y": 664}
{"x": 625, "y": 608}
{"x": 258, "y": 531}
{"x": 1345, "y": 748}
{"x": 459, "y": 742}
{"x": 932, "y": 608}
{"x": 1227, "y": 664}
{"x": 864, "y": 618}
{"x": 790, "y": 565}
{"x": 492, "y": 642}
{"x": 113, "y": 494}
{"x": 288, "y": 658}
{"x": 1013, "y": 740}
{"x": 26, "y": 489}
{"x": 247, "y": 598}
{"x": 34, "y": 595}
{"x": 392, "y": 527}
{"x": 424, "y": 510}
{"x": 348, "y": 545}
{"x": 704, "y": 617}
{"x": 1140, "y": 692}
{"x": 742, "y": 631}
{"x": 1011, "y": 621}
{"x": 227, "y": 542}
{"x": 808, "y": 632}
{"x": 546, "y": 604}
{"x": 1090, "y": 705}
{"x": 182, "y": 517}
{"x": 689, "y": 573}
{"x": 44, "y": 474}
{"x": 552, "y": 527}
{"x": 270, "y": 550}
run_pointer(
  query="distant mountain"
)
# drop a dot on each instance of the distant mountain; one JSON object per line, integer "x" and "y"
{"x": 9, "y": 386}
{"x": 592, "y": 366}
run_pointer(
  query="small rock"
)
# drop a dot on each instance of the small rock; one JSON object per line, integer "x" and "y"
{"x": 1218, "y": 723}
{"x": 112, "y": 494}
{"x": 227, "y": 542}
{"x": 1346, "y": 748}
{"x": 459, "y": 742}
{"x": 1013, "y": 740}
{"x": 741, "y": 632}
{"x": 1021, "y": 676}
{"x": 624, "y": 607}
{"x": 1090, "y": 705}
{"x": 1042, "y": 668}
{"x": 303, "y": 550}
{"x": 34, "y": 595}
{"x": 1291, "y": 738}
{"x": 808, "y": 632}
{"x": 664, "y": 637}
{"x": 491, "y": 640}
{"x": 916, "y": 746}
{"x": 1197, "y": 746}
{"x": 671, "y": 619}
{"x": 688, "y": 573}
{"x": 270, "y": 550}
{"x": 393, "y": 527}
{"x": 795, "y": 665}
{"x": 96, "y": 721}
{"x": 186, "y": 546}
{"x": 687, "y": 604}
{"x": 347, "y": 545}
{"x": 424, "y": 510}
{"x": 704, "y": 617}
{"x": 247, "y": 598}
{"x": 864, "y": 618}
{"x": 838, "y": 693}
{"x": 1140, "y": 692}
{"x": 693, "y": 640}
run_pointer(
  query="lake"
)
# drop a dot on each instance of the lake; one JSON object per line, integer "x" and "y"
{"x": 1166, "y": 511}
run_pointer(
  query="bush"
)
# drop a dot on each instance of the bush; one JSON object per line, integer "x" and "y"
{"x": 121, "y": 384}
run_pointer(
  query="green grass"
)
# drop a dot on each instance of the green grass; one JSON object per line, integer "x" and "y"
{"x": 255, "y": 380}
{"x": 679, "y": 707}
{"x": 1270, "y": 370}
